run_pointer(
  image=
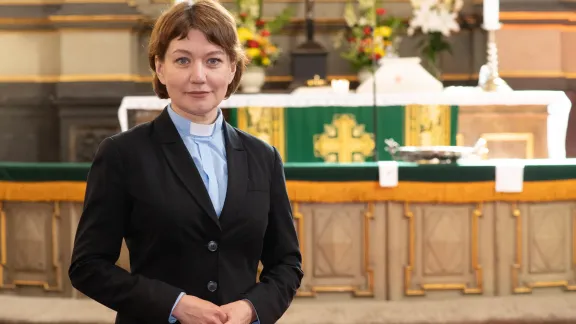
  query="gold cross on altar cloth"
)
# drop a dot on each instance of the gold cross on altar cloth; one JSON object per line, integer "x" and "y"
{"x": 344, "y": 141}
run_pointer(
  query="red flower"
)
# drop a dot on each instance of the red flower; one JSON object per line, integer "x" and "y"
{"x": 260, "y": 23}
{"x": 380, "y": 11}
{"x": 243, "y": 15}
{"x": 253, "y": 44}
{"x": 265, "y": 33}
{"x": 367, "y": 30}
{"x": 351, "y": 39}
{"x": 377, "y": 57}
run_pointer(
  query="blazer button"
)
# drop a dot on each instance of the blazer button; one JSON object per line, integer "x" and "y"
{"x": 212, "y": 286}
{"x": 212, "y": 246}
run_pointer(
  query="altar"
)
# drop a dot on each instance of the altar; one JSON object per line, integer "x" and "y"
{"x": 352, "y": 127}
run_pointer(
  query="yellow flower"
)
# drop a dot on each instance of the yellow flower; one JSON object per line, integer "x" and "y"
{"x": 265, "y": 61}
{"x": 244, "y": 34}
{"x": 383, "y": 31}
{"x": 379, "y": 51}
{"x": 253, "y": 52}
{"x": 263, "y": 40}
{"x": 271, "y": 49}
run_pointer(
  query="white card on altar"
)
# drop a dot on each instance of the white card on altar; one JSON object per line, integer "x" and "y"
{"x": 388, "y": 173}
{"x": 509, "y": 176}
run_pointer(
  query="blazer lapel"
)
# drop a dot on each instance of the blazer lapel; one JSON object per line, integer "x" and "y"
{"x": 237, "y": 171}
{"x": 181, "y": 162}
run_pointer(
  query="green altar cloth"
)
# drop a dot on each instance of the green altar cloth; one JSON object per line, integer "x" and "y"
{"x": 535, "y": 170}
{"x": 346, "y": 134}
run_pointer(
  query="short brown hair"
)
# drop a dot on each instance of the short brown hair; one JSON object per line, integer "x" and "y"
{"x": 210, "y": 18}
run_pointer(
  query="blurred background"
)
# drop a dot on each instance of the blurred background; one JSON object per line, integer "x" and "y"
{"x": 428, "y": 147}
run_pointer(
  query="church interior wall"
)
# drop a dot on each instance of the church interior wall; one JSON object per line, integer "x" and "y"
{"x": 67, "y": 68}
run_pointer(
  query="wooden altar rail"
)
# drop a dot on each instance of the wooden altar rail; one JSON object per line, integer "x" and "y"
{"x": 384, "y": 250}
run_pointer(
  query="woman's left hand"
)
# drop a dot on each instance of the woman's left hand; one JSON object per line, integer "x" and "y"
{"x": 239, "y": 312}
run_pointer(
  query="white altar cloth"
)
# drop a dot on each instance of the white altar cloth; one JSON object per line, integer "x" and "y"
{"x": 557, "y": 102}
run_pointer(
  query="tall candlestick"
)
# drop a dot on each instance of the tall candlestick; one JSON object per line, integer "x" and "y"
{"x": 491, "y": 14}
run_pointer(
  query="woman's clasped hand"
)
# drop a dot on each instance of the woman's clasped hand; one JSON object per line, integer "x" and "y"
{"x": 193, "y": 310}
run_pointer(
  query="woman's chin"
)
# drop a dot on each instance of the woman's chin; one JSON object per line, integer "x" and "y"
{"x": 200, "y": 109}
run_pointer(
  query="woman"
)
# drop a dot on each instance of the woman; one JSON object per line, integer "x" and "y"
{"x": 198, "y": 202}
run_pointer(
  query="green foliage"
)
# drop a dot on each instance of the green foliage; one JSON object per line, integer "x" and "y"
{"x": 281, "y": 20}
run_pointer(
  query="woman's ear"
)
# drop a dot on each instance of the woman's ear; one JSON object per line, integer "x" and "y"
{"x": 159, "y": 69}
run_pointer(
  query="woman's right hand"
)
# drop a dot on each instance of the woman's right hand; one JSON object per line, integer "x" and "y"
{"x": 193, "y": 310}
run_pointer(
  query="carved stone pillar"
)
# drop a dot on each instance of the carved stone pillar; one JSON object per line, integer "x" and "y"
{"x": 28, "y": 65}
{"x": 99, "y": 60}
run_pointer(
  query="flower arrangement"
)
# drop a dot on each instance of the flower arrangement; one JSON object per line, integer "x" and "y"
{"x": 436, "y": 20}
{"x": 254, "y": 33}
{"x": 369, "y": 36}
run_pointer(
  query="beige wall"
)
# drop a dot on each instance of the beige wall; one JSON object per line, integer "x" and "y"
{"x": 528, "y": 48}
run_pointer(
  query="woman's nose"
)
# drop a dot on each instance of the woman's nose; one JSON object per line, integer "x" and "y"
{"x": 197, "y": 73}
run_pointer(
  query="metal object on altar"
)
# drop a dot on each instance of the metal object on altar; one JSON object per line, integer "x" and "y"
{"x": 316, "y": 81}
{"x": 435, "y": 154}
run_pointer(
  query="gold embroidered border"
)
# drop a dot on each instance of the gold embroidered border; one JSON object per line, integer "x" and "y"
{"x": 417, "y": 117}
{"x": 408, "y": 270}
{"x": 265, "y": 123}
{"x": 339, "y": 191}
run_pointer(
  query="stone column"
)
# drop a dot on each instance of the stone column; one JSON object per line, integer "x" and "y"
{"x": 99, "y": 64}
{"x": 29, "y": 65}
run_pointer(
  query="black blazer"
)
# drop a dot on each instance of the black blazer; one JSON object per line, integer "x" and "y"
{"x": 143, "y": 187}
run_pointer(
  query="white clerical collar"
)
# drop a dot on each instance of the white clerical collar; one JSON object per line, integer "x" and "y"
{"x": 203, "y": 129}
{"x": 186, "y": 127}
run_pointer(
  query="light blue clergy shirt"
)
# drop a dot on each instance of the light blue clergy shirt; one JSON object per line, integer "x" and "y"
{"x": 207, "y": 146}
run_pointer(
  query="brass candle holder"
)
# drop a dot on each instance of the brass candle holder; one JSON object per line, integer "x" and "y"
{"x": 489, "y": 78}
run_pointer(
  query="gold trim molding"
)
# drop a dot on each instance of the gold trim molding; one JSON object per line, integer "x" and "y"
{"x": 299, "y": 223}
{"x": 3, "y": 250}
{"x": 408, "y": 270}
{"x": 75, "y": 78}
{"x": 55, "y": 219}
{"x": 71, "y": 19}
{"x": 538, "y": 15}
{"x": 60, "y": 2}
{"x": 96, "y": 18}
{"x": 557, "y": 27}
{"x": 527, "y": 287}
{"x": 368, "y": 270}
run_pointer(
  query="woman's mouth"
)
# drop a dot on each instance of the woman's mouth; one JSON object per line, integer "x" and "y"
{"x": 198, "y": 94}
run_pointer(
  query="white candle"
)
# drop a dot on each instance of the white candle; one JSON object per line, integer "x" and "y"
{"x": 491, "y": 14}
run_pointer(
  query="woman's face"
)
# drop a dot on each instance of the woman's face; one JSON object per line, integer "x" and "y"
{"x": 196, "y": 74}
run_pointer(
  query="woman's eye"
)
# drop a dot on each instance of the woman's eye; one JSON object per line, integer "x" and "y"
{"x": 182, "y": 61}
{"x": 214, "y": 61}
